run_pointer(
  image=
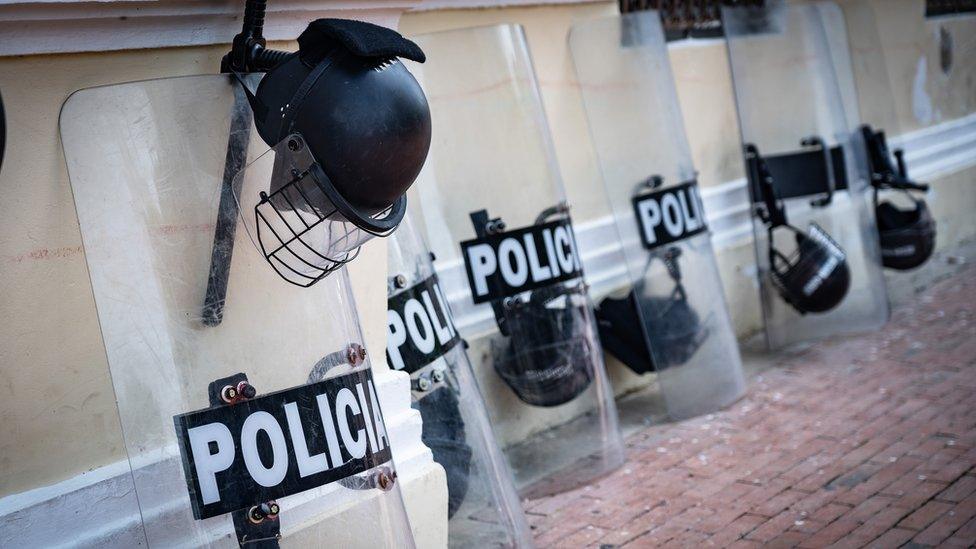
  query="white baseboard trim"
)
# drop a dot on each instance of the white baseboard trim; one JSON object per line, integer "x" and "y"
{"x": 67, "y": 26}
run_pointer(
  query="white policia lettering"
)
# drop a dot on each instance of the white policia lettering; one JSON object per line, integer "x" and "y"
{"x": 679, "y": 210}
{"x": 814, "y": 283}
{"x": 337, "y": 426}
{"x": 421, "y": 323}
{"x": 519, "y": 261}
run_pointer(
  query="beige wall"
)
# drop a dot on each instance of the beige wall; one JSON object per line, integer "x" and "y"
{"x": 918, "y": 93}
{"x": 56, "y": 390}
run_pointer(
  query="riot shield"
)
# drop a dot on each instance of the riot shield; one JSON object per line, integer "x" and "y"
{"x": 257, "y": 427}
{"x": 497, "y": 221}
{"x": 422, "y": 340}
{"x": 674, "y": 320}
{"x": 907, "y": 229}
{"x": 816, "y": 245}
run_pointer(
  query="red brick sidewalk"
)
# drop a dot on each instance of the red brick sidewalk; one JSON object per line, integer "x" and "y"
{"x": 861, "y": 441}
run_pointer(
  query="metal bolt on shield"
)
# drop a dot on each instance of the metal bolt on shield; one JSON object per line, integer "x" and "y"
{"x": 356, "y": 354}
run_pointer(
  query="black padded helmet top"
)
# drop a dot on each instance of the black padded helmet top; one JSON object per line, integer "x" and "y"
{"x": 362, "y": 114}
{"x": 817, "y": 278}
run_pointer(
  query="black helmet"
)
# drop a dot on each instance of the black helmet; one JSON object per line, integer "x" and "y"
{"x": 671, "y": 325}
{"x": 545, "y": 360}
{"x": 351, "y": 130}
{"x": 357, "y": 106}
{"x": 907, "y": 235}
{"x": 815, "y": 277}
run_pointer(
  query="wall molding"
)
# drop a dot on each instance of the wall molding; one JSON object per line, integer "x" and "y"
{"x": 427, "y": 5}
{"x": 72, "y": 26}
{"x": 930, "y": 153}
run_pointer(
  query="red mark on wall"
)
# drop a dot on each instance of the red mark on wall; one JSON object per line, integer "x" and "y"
{"x": 188, "y": 228}
{"x": 67, "y": 252}
{"x": 44, "y": 254}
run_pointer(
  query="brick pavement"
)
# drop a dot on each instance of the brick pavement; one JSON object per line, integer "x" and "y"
{"x": 863, "y": 441}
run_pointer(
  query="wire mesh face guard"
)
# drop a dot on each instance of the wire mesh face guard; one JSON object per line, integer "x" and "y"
{"x": 544, "y": 360}
{"x": 302, "y": 226}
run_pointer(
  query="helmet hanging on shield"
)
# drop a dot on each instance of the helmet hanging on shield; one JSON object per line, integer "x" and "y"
{"x": 907, "y": 234}
{"x": 544, "y": 360}
{"x": 350, "y": 130}
{"x": 674, "y": 330}
{"x": 814, "y": 278}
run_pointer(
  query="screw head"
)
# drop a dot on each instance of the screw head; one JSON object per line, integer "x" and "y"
{"x": 423, "y": 383}
{"x": 255, "y": 514}
{"x": 228, "y": 394}
{"x": 400, "y": 281}
{"x": 355, "y": 354}
{"x": 385, "y": 480}
{"x": 437, "y": 376}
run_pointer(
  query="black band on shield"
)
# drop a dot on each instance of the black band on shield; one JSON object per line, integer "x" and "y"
{"x": 667, "y": 215}
{"x": 281, "y": 443}
{"x": 504, "y": 264}
{"x": 803, "y": 173}
{"x": 420, "y": 328}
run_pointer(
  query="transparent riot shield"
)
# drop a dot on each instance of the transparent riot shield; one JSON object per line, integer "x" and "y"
{"x": 422, "y": 340}
{"x": 906, "y": 226}
{"x": 674, "y": 320}
{"x": 259, "y": 426}
{"x": 816, "y": 244}
{"x": 496, "y": 218}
